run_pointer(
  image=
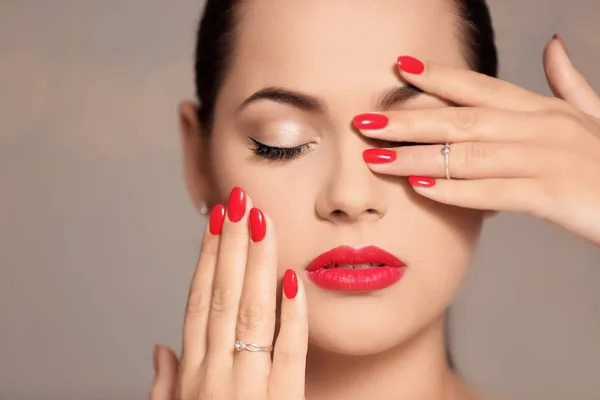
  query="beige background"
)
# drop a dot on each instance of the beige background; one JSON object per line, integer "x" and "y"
{"x": 99, "y": 240}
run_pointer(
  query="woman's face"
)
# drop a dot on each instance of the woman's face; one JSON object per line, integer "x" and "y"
{"x": 341, "y": 55}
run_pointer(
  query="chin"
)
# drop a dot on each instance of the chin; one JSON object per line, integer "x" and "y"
{"x": 361, "y": 327}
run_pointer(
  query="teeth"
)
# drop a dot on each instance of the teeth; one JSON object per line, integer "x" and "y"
{"x": 354, "y": 266}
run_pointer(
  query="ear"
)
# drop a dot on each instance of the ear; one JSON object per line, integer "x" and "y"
{"x": 195, "y": 151}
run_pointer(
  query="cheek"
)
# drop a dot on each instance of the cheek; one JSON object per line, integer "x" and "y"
{"x": 450, "y": 240}
{"x": 285, "y": 191}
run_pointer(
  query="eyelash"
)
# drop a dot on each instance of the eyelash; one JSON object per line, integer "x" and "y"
{"x": 278, "y": 153}
{"x": 289, "y": 153}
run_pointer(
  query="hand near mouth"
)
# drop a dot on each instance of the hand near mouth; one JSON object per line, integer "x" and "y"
{"x": 230, "y": 317}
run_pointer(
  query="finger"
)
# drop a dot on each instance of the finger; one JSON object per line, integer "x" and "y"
{"x": 228, "y": 282}
{"x": 466, "y": 87}
{"x": 566, "y": 81}
{"x": 289, "y": 358}
{"x": 450, "y": 124}
{"x": 166, "y": 368}
{"x": 256, "y": 317}
{"x": 513, "y": 195}
{"x": 467, "y": 160}
{"x": 198, "y": 303}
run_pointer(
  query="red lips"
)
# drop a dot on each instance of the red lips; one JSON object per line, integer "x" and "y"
{"x": 329, "y": 270}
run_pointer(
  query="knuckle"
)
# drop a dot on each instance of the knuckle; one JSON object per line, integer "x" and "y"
{"x": 288, "y": 356}
{"x": 222, "y": 299}
{"x": 473, "y": 154}
{"x": 252, "y": 315}
{"x": 198, "y": 302}
{"x": 404, "y": 120}
{"x": 463, "y": 119}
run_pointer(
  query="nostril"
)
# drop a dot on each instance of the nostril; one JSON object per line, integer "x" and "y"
{"x": 372, "y": 211}
{"x": 337, "y": 213}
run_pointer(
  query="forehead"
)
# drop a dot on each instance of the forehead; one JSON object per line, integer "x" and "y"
{"x": 323, "y": 46}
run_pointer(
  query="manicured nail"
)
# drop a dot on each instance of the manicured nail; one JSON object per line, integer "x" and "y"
{"x": 236, "y": 207}
{"x": 379, "y": 156}
{"x": 290, "y": 284}
{"x": 422, "y": 181}
{"x": 410, "y": 65}
{"x": 558, "y": 38}
{"x": 258, "y": 225}
{"x": 217, "y": 217}
{"x": 370, "y": 121}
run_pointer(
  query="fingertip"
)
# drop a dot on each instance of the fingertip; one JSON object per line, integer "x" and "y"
{"x": 216, "y": 219}
{"x": 561, "y": 43}
{"x": 290, "y": 284}
{"x": 411, "y": 65}
{"x": 556, "y": 57}
{"x": 257, "y": 225}
{"x": 422, "y": 182}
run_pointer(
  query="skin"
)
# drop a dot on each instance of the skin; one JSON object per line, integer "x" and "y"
{"x": 344, "y": 56}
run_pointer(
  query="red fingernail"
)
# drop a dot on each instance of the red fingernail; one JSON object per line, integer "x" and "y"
{"x": 290, "y": 284}
{"x": 370, "y": 121}
{"x": 217, "y": 217}
{"x": 258, "y": 225}
{"x": 411, "y": 65}
{"x": 379, "y": 156}
{"x": 422, "y": 181}
{"x": 236, "y": 207}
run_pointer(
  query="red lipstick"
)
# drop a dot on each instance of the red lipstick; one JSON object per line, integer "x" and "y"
{"x": 353, "y": 269}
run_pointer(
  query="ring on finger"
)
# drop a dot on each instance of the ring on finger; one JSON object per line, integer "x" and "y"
{"x": 446, "y": 152}
{"x": 251, "y": 347}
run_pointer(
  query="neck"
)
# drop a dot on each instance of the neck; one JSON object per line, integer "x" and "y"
{"x": 417, "y": 369}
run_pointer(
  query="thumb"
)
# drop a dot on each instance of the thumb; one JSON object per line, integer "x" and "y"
{"x": 567, "y": 82}
{"x": 166, "y": 369}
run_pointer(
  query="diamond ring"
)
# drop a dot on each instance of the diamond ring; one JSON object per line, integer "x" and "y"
{"x": 251, "y": 347}
{"x": 446, "y": 153}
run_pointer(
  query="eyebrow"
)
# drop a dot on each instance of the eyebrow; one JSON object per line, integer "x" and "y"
{"x": 306, "y": 102}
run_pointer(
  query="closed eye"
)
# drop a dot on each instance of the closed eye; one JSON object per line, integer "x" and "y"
{"x": 275, "y": 153}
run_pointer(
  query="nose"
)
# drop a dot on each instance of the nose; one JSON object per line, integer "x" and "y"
{"x": 351, "y": 192}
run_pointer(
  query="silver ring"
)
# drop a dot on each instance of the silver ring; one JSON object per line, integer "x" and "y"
{"x": 446, "y": 153}
{"x": 251, "y": 347}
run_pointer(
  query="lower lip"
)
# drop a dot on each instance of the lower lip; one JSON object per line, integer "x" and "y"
{"x": 355, "y": 280}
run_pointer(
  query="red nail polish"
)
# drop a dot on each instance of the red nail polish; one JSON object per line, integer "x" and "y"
{"x": 422, "y": 181}
{"x": 236, "y": 207}
{"x": 379, "y": 156}
{"x": 370, "y": 121}
{"x": 290, "y": 284}
{"x": 410, "y": 65}
{"x": 217, "y": 217}
{"x": 258, "y": 225}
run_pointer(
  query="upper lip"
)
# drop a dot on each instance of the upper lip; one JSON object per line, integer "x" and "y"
{"x": 354, "y": 255}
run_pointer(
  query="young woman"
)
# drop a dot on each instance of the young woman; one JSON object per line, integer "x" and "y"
{"x": 349, "y": 151}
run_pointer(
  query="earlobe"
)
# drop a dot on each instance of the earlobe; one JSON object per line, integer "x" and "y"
{"x": 194, "y": 151}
